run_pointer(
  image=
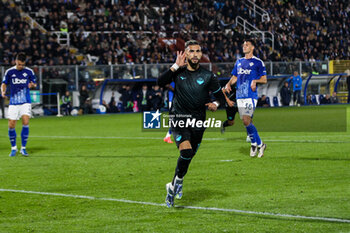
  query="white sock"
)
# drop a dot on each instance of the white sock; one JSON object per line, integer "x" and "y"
{"x": 168, "y": 134}
{"x": 14, "y": 148}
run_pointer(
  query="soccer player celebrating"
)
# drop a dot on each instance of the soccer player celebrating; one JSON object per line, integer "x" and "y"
{"x": 247, "y": 72}
{"x": 193, "y": 85}
{"x": 20, "y": 79}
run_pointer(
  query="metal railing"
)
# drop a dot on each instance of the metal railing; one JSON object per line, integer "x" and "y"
{"x": 32, "y": 23}
{"x": 248, "y": 28}
{"x": 255, "y": 10}
{"x": 72, "y": 76}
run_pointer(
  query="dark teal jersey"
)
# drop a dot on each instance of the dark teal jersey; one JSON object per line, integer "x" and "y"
{"x": 192, "y": 90}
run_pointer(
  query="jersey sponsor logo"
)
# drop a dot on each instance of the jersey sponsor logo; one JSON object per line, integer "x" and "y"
{"x": 244, "y": 71}
{"x": 182, "y": 77}
{"x": 200, "y": 81}
{"x": 19, "y": 81}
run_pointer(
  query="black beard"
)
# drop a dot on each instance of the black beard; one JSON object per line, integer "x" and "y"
{"x": 193, "y": 65}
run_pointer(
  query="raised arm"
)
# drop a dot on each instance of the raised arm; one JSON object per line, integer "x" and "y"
{"x": 168, "y": 76}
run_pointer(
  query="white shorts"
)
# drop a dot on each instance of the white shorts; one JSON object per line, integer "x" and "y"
{"x": 246, "y": 107}
{"x": 17, "y": 111}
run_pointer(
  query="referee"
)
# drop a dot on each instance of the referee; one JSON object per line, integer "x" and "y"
{"x": 193, "y": 85}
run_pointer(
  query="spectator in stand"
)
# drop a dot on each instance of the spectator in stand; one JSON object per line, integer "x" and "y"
{"x": 66, "y": 103}
{"x": 326, "y": 99}
{"x": 144, "y": 98}
{"x": 262, "y": 102}
{"x": 309, "y": 100}
{"x": 106, "y": 106}
{"x": 297, "y": 84}
{"x": 112, "y": 105}
{"x": 156, "y": 98}
{"x": 154, "y": 71}
{"x": 127, "y": 98}
{"x": 84, "y": 100}
{"x": 285, "y": 94}
{"x": 334, "y": 98}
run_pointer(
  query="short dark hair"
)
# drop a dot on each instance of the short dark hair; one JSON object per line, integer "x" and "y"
{"x": 21, "y": 57}
{"x": 251, "y": 41}
{"x": 191, "y": 42}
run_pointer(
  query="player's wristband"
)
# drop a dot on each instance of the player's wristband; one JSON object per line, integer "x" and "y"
{"x": 216, "y": 103}
{"x": 175, "y": 67}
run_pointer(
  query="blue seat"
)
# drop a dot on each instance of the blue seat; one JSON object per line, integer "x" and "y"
{"x": 275, "y": 101}
{"x": 268, "y": 100}
{"x": 313, "y": 98}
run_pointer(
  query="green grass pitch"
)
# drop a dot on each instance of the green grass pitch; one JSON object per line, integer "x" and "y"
{"x": 110, "y": 158}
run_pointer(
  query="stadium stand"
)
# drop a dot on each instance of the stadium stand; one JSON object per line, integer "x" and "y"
{"x": 308, "y": 30}
{"x": 129, "y": 31}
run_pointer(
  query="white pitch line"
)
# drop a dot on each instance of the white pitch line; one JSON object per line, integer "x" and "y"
{"x": 115, "y": 137}
{"x": 326, "y": 219}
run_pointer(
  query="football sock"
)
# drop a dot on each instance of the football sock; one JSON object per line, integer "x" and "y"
{"x": 183, "y": 163}
{"x": 252, "y": 133}
{"x": 168, "y": 134}
{"x": 25, "y": 135}
{"x": 225, "y": 123}
{"x": 12, "y": 136}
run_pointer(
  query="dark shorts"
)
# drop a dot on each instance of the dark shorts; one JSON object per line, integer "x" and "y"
{"x": 231, "y": 113}
{"x": 191, "y": 134}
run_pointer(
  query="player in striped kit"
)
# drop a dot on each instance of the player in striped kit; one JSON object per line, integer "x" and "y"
{"x": 19, "y": 79}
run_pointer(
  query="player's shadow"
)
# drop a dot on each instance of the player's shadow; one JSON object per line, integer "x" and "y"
{"x": 36, "y": 149}
{"x": 200, "y": 195}
{"x": 244, "y": 150}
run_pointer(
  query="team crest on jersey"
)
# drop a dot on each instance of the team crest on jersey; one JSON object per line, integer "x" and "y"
{"x": 200, "y": 80}
{"x": 251, "y": 64}
{"x": 182, "y": 77}
{"x": 25, "y": 74}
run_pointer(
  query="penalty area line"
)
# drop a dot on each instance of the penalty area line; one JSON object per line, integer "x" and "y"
{"x": 325, "y": 219}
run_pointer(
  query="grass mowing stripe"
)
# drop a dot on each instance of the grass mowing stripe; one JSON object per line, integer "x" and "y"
{"x": 205, "y": 139}
{"x": 326, "y": 219}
